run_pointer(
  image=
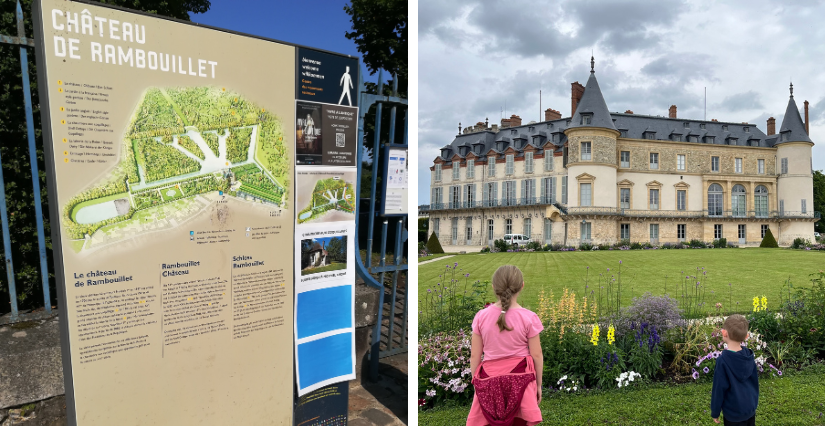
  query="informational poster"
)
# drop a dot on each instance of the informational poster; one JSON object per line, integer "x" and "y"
{"x": 170, "y": 150}
{"x": 395, "y": 183}
{"x": 326, "y": 122}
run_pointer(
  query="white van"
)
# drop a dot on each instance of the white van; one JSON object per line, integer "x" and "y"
{"x": 516, "y": 239}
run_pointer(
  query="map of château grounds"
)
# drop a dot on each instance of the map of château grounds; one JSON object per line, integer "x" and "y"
{"x": 329, "y": 195}
{"x": 183, "y": 143}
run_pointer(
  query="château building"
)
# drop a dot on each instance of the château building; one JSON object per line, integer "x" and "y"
{"x": 602, "y": 177}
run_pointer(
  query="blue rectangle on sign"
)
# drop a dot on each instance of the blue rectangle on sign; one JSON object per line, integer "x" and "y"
{"x": 324, "y": 310}
{"x": 325, "y": 359}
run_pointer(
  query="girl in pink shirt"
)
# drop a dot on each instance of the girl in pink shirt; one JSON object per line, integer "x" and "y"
{"x": 506, "y": 334}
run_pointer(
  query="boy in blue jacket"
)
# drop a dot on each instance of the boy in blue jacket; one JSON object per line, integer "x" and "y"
{"x": 735, "y": 381}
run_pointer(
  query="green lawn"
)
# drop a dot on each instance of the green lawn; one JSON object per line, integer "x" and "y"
{"x": 333, "y": 267}
{"x": 750, "y": 272}
{"x": 174, "y": 191}
{"x": 790, "y": 400}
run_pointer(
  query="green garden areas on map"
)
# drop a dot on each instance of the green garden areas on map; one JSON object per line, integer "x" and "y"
{"x": 97, "y": 274}
{"x": 184, "y": 144}
{"x": 81, "y": 23}
{"x": 333, "y": 194}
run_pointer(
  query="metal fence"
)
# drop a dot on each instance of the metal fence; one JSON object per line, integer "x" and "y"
{"x": 389, "y": 337}
{"x": 24, "y": 43}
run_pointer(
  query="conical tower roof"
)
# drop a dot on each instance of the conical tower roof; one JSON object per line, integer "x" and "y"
{"x": 792, "y": 122}
{"x": 592, "y": 103}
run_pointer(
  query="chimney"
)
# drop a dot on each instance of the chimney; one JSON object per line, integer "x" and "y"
{"x": 672, "y": 111}
{"x": 480, "y": 126}
{"x": 515, "y": 121}
{"x": 551, "y": 114}
{"x": 505, "y": 123}
{"x": 628, "y": 112}
{"x": 495, "y": 128}
{"x": 713, "y": 119}
{"x": 577, "y": 90}
{"x": 806, "y": 118}
{"x": 771, "y": 126}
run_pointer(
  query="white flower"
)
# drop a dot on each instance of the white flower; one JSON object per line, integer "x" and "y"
{"x": 619, "y": 379}
{"x": 567, "y": 389}
{"x": 431, "y": 393}
{"x": 631, "y": 378}
{"x": 574, "y": 388}
{"x": 620, "y": 383}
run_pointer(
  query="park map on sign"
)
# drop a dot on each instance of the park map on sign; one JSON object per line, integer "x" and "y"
{"x": 182, "y": 145}
{"x": 333, "y": 194}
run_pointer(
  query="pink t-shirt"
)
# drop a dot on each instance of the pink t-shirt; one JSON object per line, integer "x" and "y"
{"x": 503, "y": 344}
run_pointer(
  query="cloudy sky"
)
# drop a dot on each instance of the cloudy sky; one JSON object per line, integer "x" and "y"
{"x": 475, "y": 56}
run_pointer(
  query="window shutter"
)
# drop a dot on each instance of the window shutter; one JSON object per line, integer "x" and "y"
{"x": 495, "y": 190}
{"x": 564, "y": 189}
{"x": 523, "y": 189}
{"x": 553, "y": 189}
{"x": 544, "y": 198}
{"x": 484, "y": 194}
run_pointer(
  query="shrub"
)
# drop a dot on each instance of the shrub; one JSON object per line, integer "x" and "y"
{"x": 558, "y": 246}
{"x": 444, "y": 368}
{"x": 548, "y": 247}
{"x": 452, "y": 303}
{"x": 585, "y": 246}
{"x": 661, "y": 312}
{"x": 423, "y": 224}
{"x": 697, "y": 244}
{"x": 720, "y": 243}
{"x": 533, "y": 245}
{"x": 485, "y": 250}
{"x": 433, "y": 245}
{"x": 635, "y": 246}
{"x": 732, "y": 245}
{"x": 799, "y": 243}
{"x": 769, "y": 241}
{"x": 501, "y": 245}
{"x": 605, "y": 246}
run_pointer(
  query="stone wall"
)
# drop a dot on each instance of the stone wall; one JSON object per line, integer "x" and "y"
{"x": 697, "y": 157}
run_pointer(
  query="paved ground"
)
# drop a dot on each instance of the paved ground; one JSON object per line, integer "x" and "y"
{"x": 459, "y": 249}
{"x": 436, "y": 259}
{"x": 383, "y": 402}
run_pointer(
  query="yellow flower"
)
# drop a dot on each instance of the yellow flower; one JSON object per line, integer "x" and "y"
{"x": 756, "y": 303}
{"x": 611, "y": 335}
{"x": 764, "y": 302}
{"x": 594, "y": 339}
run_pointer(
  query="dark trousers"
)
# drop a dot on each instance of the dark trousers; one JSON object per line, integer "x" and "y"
{"x": 749, "y": 422}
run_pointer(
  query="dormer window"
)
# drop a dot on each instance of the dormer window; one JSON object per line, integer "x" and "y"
{"x": 710, "y": 139}
{"x": 531, "y": 129}
{"x": 568, "y": 123}
{"x": 784, "y": 137}
{"x": 693, "y": 138}
{"x": 649, "y": 135}
{"x": 513, "y": 131}
{"x": 587, "y": 119}
{"x": 549, "y": 125}
{"x": 686, "y": 124}
{"x": 724, "y": 127}
{"x": 553, "y": 138}
{"x": 702, "y": 126}
{"x": 746, "y": 129}
{"x": 676, "y": 138}
{"x": 623, "y": 133}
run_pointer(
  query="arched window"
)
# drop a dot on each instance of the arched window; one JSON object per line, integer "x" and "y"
{"x": 737, "y": 201}
{"x": 761, "y": 201}
{"x": 715, "y": 204}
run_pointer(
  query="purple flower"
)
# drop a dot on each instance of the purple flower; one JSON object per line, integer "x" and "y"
{"x": 620, "y": 262}
{"x": 706, "y": 370}
{"x": 695, "y": 375}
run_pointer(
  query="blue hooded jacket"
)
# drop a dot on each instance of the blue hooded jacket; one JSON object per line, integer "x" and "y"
{"x": 735, "y": 386}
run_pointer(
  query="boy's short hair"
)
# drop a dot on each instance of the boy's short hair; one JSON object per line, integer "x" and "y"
{"x": 737, "y": 327}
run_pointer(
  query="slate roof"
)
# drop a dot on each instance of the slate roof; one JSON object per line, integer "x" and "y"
{"x": 592, "y": 103}
{"x": 792, "y": 123}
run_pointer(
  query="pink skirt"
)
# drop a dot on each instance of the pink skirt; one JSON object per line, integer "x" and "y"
{"x": 529, "y": 410}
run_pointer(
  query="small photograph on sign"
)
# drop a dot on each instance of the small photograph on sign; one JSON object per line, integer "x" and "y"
{"x": 308, "y": 133}
{"x": 325, "y": 196}
{"x": 323, "y": 254}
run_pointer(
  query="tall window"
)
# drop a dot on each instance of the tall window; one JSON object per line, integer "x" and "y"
{"x": 625, "y": 231}
{"x": 804, "y": 206}
{"x": 564, "y": 190}
{"x": 624, "y": 198}
{"x": 715, "y": 204}
{"x": 585, "y": 231}
{"x": 528, "y": 191}
{"x": 781, "y": 207}
{"x": 784, "y": 166}
{"x": 528, "y": 227}
{"x": 470, "y": 195}
{"x": 548, "y": 231}
{"x": 717, "y": 231}
{"x": 681, "y": 199}
{"x": 742, "y": 233}
{"x": 761, "y": 166}
{"x": 548, "y": 190}
{"x": 490, "y": 229}
{"x": 528, "y": 162}
{"x": 491, "y": 166}
{"x": 585, "y": 151}
{"x": 654, "y": 161}
{"x": 509, "y": 196}
{"x": 455, "y": 230}
{"x": 490, "y": 194}
{"x": 436, "y": 198}
{"x": 509, "y": 166}
{"x": 436, "y": 226}
{"x": 586, "y": 119}
{"x": 680, "y": 161}
{"x": 625, "y": 159}
{"x": 654, "y": 199}
{"x": 761, "y": 201}
{"x": 469, "y": 229}
{"x": 654, "y": 233}
{"x": 764, "y": 230}
{"x": 471, "y": 169}
{"x": 737, "y": 201}
{"x": 714, "y": 164}
{"x": 548, "y": 160}
{"x": 585, "y": 195}
{"x": 455, "y": 197}
{"x": 456, "y": 170}
{"x": 738, "y": 165}
{"x": 438, "y": 172}
{"x": 680, "y": 231}
{"x": 508, "y": 226}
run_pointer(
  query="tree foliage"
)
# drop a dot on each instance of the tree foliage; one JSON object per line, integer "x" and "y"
{"x": 15, "y": 152}
{"x": 380, "y": 32}
{"x": 769, "y": 241}
{"x": 819, "y": 199}
{"x": 433, "y": 245}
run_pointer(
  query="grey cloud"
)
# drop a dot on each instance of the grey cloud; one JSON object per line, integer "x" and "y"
{"x": 749, "y": 100}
